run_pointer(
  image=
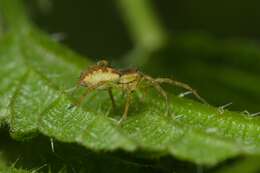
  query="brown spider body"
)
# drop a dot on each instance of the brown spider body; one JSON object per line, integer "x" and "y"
{"x": 102, "y": 76}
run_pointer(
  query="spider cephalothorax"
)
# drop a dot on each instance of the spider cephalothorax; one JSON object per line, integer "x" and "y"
{"x": 103, "y": 76}
{"x": 129, "y": 79}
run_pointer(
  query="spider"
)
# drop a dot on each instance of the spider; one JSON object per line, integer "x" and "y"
{"x": 103, "y": 77}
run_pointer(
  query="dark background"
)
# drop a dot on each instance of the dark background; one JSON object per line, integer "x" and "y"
{"x": 95, "y": 28}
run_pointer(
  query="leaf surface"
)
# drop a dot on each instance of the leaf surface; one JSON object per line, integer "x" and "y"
{"x": 37, "y": 71}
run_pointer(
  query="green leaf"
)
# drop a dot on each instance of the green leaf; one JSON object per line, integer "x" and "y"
{"x": 36, "y": 72}
{"x": 13, "y": 170}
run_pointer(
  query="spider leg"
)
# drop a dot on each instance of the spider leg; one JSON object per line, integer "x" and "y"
{"x": 89, "y": 89}
{"x": 156, "y": 85}
{"x": 127, "y": 104}
{"x": 141, "y": 94}
{"x": 74, "y": 89}
{"x": 182, "y": 85}
{"x": 82, "y": 97}
{"x": 112, "y": 98}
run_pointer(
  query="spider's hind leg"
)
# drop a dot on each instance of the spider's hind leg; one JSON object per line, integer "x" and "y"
{"x": 158, "y": 88}
{"x": 181, "y": 85}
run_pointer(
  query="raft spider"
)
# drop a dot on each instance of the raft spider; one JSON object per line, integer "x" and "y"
{"x": 103, "y": 77}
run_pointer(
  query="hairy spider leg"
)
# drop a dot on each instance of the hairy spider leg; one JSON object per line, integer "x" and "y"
{"x": 112, "y": 98}
{"x": 155, "y": 84}
{"x": 75, "y": 88}
{"x": 181, "y": 85}
{"x": 82, "y": 97}
{"x": 93, "y": 87}
{"x": 127, "y": 104}
{"x": 77, "y": 102}
{"x": 142, "y": 89}
{"x": 141, "y": 94}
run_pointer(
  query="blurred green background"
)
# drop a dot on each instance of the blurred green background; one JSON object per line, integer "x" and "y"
{"x": 212, "y": 45}
{"x": 96, "y": 29}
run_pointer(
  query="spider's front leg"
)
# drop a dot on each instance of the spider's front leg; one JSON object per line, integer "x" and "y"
{"x": 127, "y": 104}
{"x": 88, "y": 90}
{"x": 181, "y": 85}
{"x": 112, "y": 98}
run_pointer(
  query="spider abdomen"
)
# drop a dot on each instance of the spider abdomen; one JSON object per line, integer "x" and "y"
{"x": 97, "y": 76}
